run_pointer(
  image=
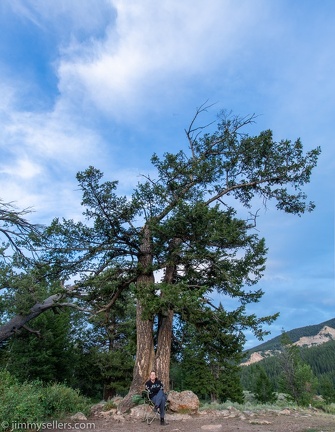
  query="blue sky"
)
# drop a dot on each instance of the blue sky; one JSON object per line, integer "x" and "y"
{"x": 107, "y": 83}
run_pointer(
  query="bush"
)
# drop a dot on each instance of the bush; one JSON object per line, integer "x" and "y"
{"x": 31, "y": 402}
{"x": 109, "y": 405}
{"x": 19, "y": 402}
{"x": 324, "y": 406}
{"x": 59, "y": 400}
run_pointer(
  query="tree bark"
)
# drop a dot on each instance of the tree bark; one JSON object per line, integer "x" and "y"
{"x": 145, "y": 354}
{"x": 145, "y": 351}
{"x": 164, "y": 340}
{"x": 163, "y": 352}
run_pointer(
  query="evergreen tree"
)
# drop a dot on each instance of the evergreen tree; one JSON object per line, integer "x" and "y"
{"x": 209, "y": 361}
{"x": 264, "y": 391}
{"x": 47, "y": 354}
{"x": 105, "y": 351}
{"x": 327, "y": 389}
{"x": 183, "y": 222}
{"x": 297, "y": 378}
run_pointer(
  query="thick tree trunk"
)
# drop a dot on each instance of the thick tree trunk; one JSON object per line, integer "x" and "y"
{"x": 164, "y": 340}
{"x": 163, "y": 353}
{"x": 146, "y": 359}
{"x": 145, "y": 355}
{"x": 144, "y": 362}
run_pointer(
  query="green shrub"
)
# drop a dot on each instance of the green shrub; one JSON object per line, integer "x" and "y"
{"x": 31, "y": 402}
{"x": 137, "y": 399}
{"x": 59, "y": 400}
{"x": 324, "y": 406}
{"x": 109, "y": 405}
{"x": 19, "y": 402}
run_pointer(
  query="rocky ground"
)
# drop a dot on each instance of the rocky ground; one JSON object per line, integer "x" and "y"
{"x": 229, "y": 420}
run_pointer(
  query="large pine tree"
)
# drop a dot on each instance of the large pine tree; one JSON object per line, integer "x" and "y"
{"x": 183, "y": 223}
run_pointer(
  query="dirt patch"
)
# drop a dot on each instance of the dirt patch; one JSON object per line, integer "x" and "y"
{"x": 266, "y": 421}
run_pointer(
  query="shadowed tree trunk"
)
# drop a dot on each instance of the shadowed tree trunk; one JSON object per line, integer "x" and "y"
{"x": 146, "y": 357}
{"x": 144, "y": 362}
{"x": 145, "y": 354}
{"x": 163, "y": 352}
{"x": 164, "y": 339}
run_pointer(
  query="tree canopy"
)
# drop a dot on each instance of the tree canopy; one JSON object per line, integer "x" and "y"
{"x": 180, "y": 238}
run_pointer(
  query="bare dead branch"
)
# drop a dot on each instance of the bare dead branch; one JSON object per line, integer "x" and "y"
{"x": 30, "y": 330}
{"x": 253, "y": 219}
{"x": 19, "y": 321}
{"x": 191, "y": 130}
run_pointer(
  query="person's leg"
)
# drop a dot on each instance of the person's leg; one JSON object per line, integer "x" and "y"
{"x": 162, "y": 402}
{"x": 159, "y": 400}
{"x": 154, "y": 400}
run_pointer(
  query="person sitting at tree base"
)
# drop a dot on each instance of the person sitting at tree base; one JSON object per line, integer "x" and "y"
{"x": 155, "y": 389}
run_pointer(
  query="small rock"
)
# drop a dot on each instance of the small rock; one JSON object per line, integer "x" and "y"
{"x": 223, "y": 413}
{"x": 97, "y": 407}
{"x": 78, "y": 416}
{"x": 119, "y": 418}
{"x": 211, "y": 427}
{"x": 105, "y": 414}
{"x": 139, "y": 411}
{"x": 260, "y": 422}
{"x": 233, "y": 409}
{"x": 285, "y": 412}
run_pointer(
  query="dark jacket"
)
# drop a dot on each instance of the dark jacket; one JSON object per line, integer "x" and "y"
{"x": 153, "y": 387}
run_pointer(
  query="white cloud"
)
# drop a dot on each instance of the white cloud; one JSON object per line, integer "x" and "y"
{"x": 153, "y": 46}
{"x": 23, "y": 168}
{"x": 67, "y": 18}
{"x": 40, "y": 152}
{"x": 51, "y": 137}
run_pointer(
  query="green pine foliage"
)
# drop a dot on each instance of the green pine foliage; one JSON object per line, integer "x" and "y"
{"x": 105, "y": 351}
{"x": 47, "y": 355}
{"x": 272, "y": 368}
{"x": 327, "y": 388}
{"x": 103, "y": 374}
{"x": 208, "y": 364}
{"x": 321, "y": 358}
{"x": 264, "y": 389}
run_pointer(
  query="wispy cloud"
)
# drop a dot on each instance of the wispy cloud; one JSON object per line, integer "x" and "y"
{"x": 153, "y": 50}
{"x": 68, "y": 19}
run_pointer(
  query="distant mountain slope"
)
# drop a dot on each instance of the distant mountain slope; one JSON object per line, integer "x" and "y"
{"x": 320, "y": 357}
{"x": 294, "y": 335}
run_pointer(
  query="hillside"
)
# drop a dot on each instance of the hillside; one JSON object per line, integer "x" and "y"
{"x": 308, "y": 336}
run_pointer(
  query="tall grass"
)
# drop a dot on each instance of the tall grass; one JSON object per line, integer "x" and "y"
{"x": 250, "y": 404}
